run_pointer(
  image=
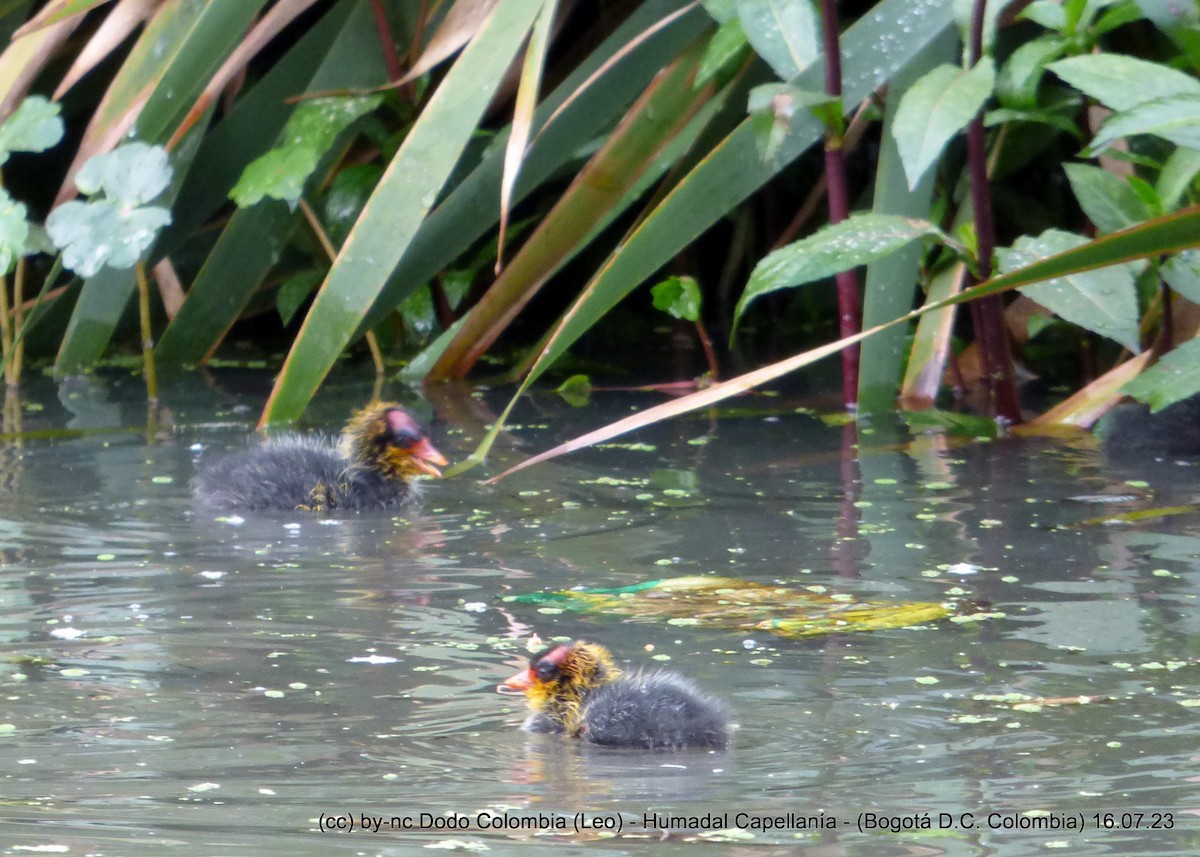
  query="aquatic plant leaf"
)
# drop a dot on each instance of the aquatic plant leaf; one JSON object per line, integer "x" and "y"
{"x": 98, "y": 233}
{"x": 132, "y": 174}
{"x": 1161, "y": 235}
{"x": 968, "y": 425}
{"x": 857, "y": 240}
{"x": 1020, "y": 77}
{"x": 406, "y": 193}
{"x": 1175, "y": 377}
{"x": 785, "y": 33}
{"x": 727, "y": 602}
{"x": 313, "y": 128}
{"x": 1175, "y": 119}
{"x": 773, "y": 107}
{"x": 576, "y": 390}
{"x": 935, "y": 109}
{"x": 33, "y": 127}
{"x": 724, "y": 50}
{"x": 55, "y": 12}
{"x": 1108, "y": 201}
{"x": 294, "y": 291}
{"x": 1120, "y": 82}
{"x": 1103, "y": 301}
{"x": 678, "y": 296}
{"x": 14, "y": 231}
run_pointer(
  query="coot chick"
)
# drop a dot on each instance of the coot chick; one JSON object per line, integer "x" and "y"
{"x": 575, "y": 689}
{"x": 1132, "y": 430}
{"x": 382, "y": 449}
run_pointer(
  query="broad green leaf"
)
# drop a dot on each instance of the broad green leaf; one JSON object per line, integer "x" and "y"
{"x": 1177, "y": 175}
{"x": 1122, "y": 82}
{"x": 1176, "y": 118}
{"x": 1102, "y": 301}
{"x": 576, "y": 390}
{"x": 678, "y": 296}
{"x": 311, "y": 131}
{"x": 1175, "y": 377}
{"x": 33, "y": 127}
{"x": 785, "y": 33}
{"x": 130, "y": 175}
{"x": 1048, "y": 13}
{"x": 14, "y": 232}
{"x": 935, "y": 109}
{"x": 348, "y": 193}
{"x": 1182, "y": 273}
{"x": 857, "y": 240}
{"x": 402, "y": 200}
{"x": 1021, "y": 75}
{"x": 1053, "y": 118}
{"x": 892, "y": 283}
{"x": 724, "y": 48}
{"x": 1108, "y": 201}
{"x": 1162, "y": 235}
{"x": 98, "y": 233}
{"x": 294, "y": 291}
{"x": 773, "y": 107}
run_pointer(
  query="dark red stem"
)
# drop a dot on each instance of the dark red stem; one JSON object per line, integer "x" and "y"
{"x": 391, "y": 56}
{"x": 849, "y": 302}
{"x": 992, "y": 335}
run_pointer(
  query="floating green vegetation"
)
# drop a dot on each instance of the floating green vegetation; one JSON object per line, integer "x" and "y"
{"x": 726, "y": 602}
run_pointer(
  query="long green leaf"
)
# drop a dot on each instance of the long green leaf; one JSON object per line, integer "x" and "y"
{"x": 402, "y": 200}
{"x": 594, "y": 198}
{"x": 191, "y": 59}
{"x": 473, "y": 206}
{"x": 733, "y": 171}
{"x": 892, "y": 283}
{"x": 1122, "y": 82}
{"x": 1162, "y": 235}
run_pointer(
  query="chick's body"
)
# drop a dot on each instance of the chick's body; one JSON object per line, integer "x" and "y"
{"x": 382, "y": 449}
{"x": 576, "y": 690}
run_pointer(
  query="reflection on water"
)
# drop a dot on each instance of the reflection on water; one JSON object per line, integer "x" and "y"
{"x": 177, "y": 683}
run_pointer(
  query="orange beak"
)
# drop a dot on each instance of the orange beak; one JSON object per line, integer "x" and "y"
{"x": 425, "y": 456}
{"x": 519, "y": 683}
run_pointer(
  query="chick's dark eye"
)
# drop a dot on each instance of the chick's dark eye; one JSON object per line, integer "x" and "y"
{"x": 547, "y": 672}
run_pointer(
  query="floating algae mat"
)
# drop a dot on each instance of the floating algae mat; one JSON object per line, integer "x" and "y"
{"x": 726, "y": 602}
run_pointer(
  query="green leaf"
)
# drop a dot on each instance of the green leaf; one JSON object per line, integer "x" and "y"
{"x": 1103, "y": 301}
{"x": 33, "y": 127}
{"x": 294, "y": 291}
{"x": 935, "y": 109}
{"x": 399, "y": 205}
{"x": 98, "y": 233}
{"x": 725, "y": 46}
{"x": 857, "y": 240}
{"x": 311, "y": 131}
{"x": 1021, "y": 75}
{"x": 14, "y": 232}
{"x": 1177, "y": 175}
{"x": 1182, "y": 273}
{"x": 1175, "y": 118}
{"x": 678, "y": 296}
{"x": 772, "y": 108}
{"x": 1122, "y": 82}
{"x": 1172, "y": 379}
{"x": 576, "y": 390}
{"x": 348, "y": 193}
{"x": 1047, "y": 13}
{"x": 1108, "y": 201}
{"x": 129, "y": 175}
{"x": 785, "y": 33}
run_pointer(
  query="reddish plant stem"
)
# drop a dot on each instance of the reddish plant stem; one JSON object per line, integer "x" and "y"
{"x": 849, "y": 302}
{"x": 391, "y": 56}
{"x": 990, "y": 330}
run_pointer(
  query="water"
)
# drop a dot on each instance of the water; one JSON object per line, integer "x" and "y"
{"x": 173, "y": 684}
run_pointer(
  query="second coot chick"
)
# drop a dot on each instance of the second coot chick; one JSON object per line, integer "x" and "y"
{"x": 1132, "y": 430}
{"x": 575, "y": 689}
{"x": 382, "y": 449}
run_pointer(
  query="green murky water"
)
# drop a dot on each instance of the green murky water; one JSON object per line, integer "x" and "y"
{"x": 175, "y": 684}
